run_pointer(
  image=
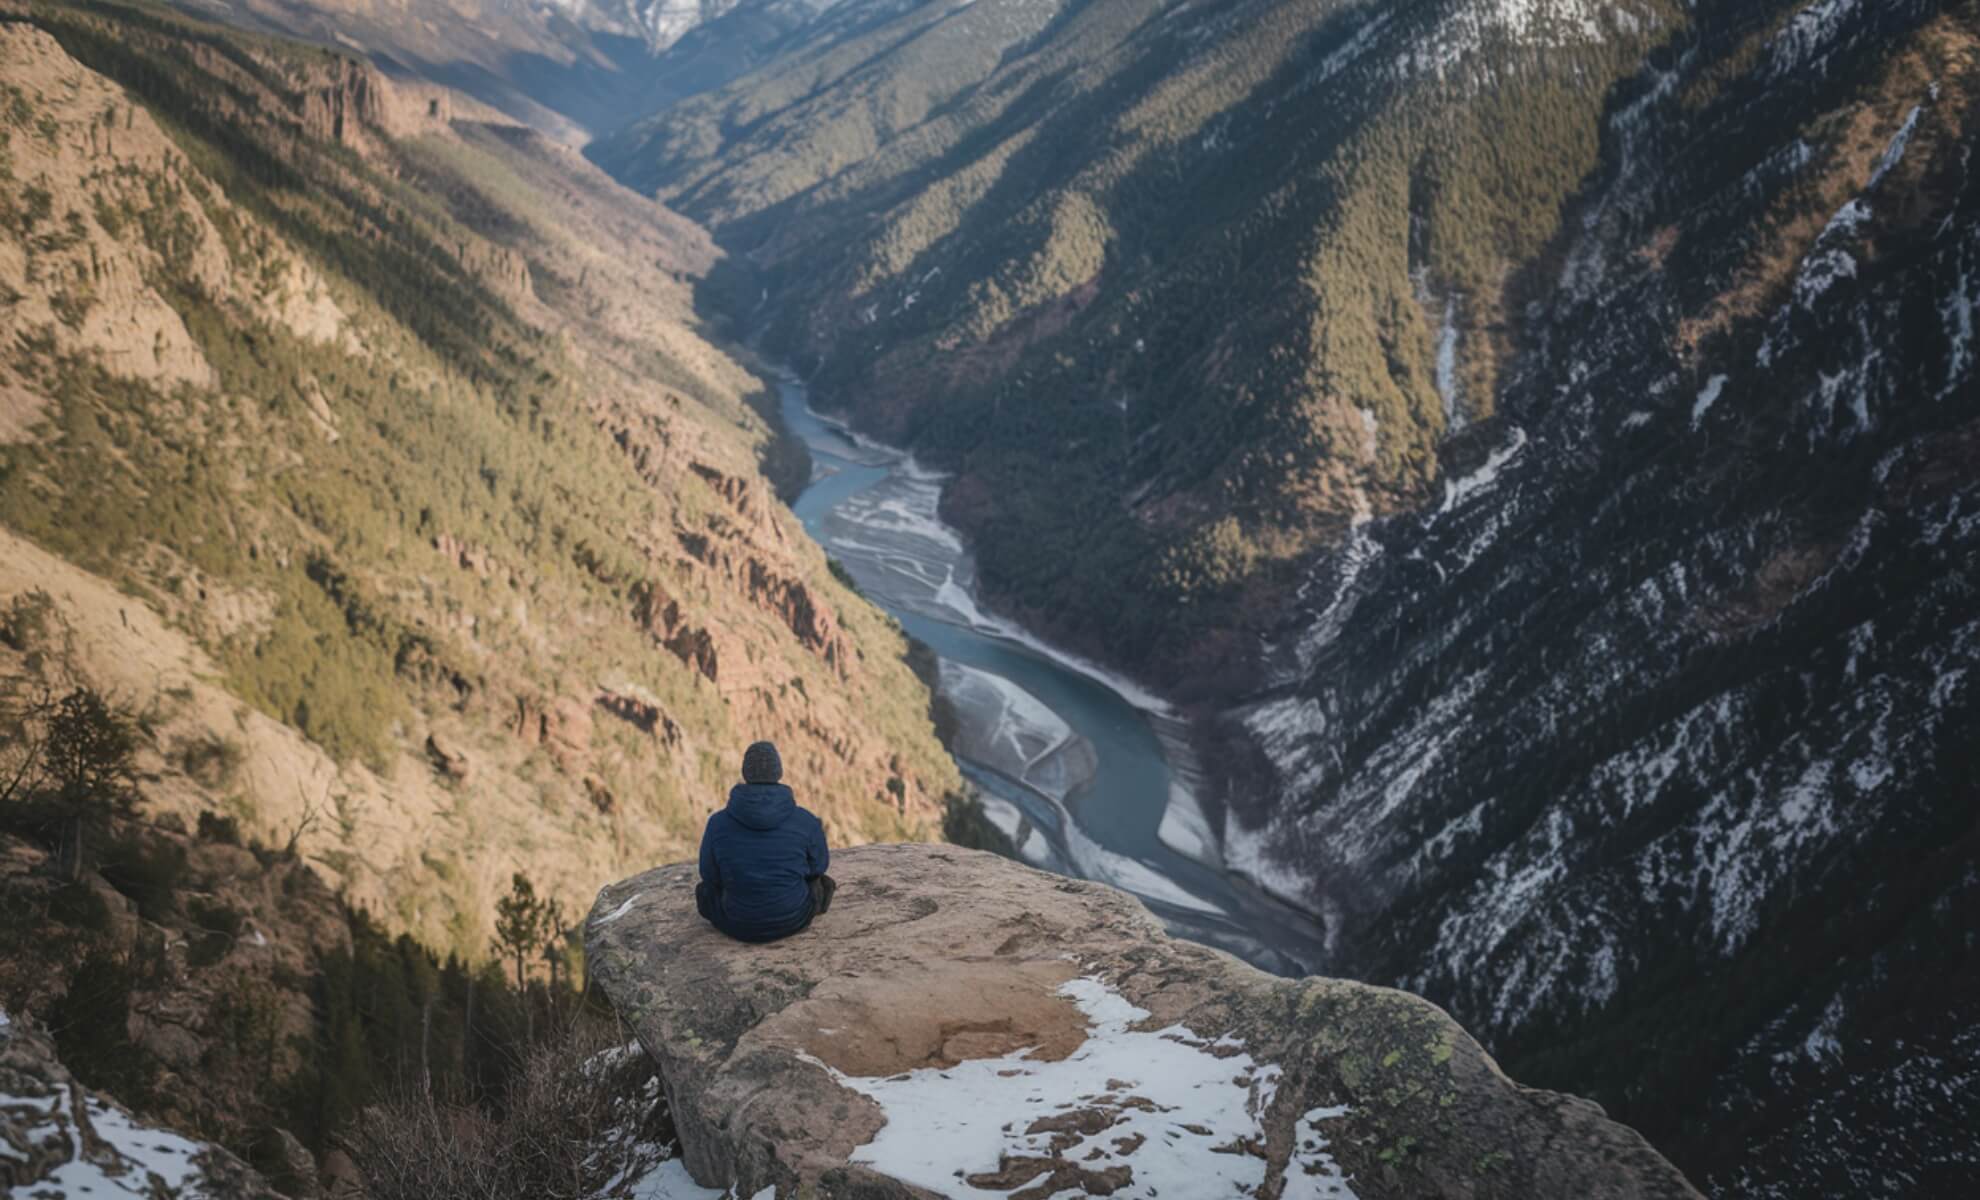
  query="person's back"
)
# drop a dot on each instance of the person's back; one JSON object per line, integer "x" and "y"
{"x": 763, "y": 858}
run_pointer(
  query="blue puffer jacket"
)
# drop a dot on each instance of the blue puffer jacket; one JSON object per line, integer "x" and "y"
{"x": 756, "y": 855}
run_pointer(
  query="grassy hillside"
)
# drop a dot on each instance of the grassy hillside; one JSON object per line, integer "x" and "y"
{"x": 1179, "y": 291}
{"x": 388, "y": 423}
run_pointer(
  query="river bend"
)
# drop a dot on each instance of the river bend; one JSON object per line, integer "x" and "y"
{"x": 1071, "y": 761}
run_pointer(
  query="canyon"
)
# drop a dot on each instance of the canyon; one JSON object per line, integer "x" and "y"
{"x": 1473, "y": 496}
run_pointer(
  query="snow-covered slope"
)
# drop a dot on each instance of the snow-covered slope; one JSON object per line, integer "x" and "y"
{"x": 1650, "y": 752}
{"x": 661, "y": 23}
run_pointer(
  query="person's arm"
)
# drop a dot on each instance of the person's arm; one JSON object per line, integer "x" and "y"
{"x": 711, "y": 871}
{"x": 816, "y": 854}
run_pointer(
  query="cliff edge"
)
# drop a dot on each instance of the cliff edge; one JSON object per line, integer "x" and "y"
{"x": 963, "y": 1025}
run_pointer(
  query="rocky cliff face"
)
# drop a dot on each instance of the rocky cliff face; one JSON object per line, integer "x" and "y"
{"x": 1262, "y": 261}
{"x": 1653, "y": 731}
{"x": 1567, "y": 410}
{"x": 959, "y": 1024}
{"x": 181, "y": 974}
{"x": 370, "y": 450}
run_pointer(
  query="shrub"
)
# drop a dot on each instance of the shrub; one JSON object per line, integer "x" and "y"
{"x": 91, "y": 1024}
{"x": 25, "y": 622}
{"x": 148, "y": 870}
{"x": 843, "y": 575}
{"x": 78, "y": 906}
{"x": 210, "y": 760}
{"x": 964, "y": 824}
{"x": 70, "y": 773}
{"x": 213, "y": 827}
{"x": 89, "y": 751}
{"x": 582, "y": 1115}
{"x": 219, "y": 925}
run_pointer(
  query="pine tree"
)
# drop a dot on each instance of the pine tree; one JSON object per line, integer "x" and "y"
{"x": 524, "y": 924}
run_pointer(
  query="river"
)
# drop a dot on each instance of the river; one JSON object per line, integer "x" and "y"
{"x": 1072, "y": 761}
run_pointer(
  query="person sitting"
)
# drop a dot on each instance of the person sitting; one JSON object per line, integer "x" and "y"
{"x": 763, "y": 858}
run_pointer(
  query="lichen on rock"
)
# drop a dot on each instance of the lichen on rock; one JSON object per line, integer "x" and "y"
{"x": 963, "y": 1025}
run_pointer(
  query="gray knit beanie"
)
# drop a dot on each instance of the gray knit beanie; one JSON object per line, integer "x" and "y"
{"x": 761, "y": 764}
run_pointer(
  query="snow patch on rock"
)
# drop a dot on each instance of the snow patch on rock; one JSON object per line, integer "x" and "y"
{"x": 1707, "y": 397}
{"x": 1166, "y": 1099}
{"x": 1458, "y": 491}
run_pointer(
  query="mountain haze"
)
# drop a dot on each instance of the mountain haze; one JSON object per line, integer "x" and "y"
{"x": 570, "y": 68}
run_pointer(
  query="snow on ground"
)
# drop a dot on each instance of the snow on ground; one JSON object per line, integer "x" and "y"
{"x": 1319, "y": 1176}
{"x": 1707, "y": 397}
{"x": 129, "y": 1160}
{"x": 1253, "y": 854}
{"x": 1467, "y": 27}
{"x": 620, "y": 911}
{"x": 1457, "y": 491}
{"x": 1181, "y": 1102}
{"x": 1809, "y": 35}
{"x": 1957, "y": 313}
{"x": 1130, "y": 875}
{"x": 670, "y": 1181}
{"x": 1894, "y": 153}
{"x": 1447, "y": 365}
{"x": 1186, "y": 828}
{"x": 1820, "y": 272}
{"x": 1011, "y": 821}
{"x": 1344, "y": 574}
{"x": 1342, "y": 57}
{"x": 1015, "y": 732}
{"x": 1288, "y": 731}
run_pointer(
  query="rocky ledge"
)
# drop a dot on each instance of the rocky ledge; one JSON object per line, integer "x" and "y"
{"x": 963, "y": 1025}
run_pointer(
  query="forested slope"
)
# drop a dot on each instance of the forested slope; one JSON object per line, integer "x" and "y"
{"x": 367, "y": 445}
{"x": 1648, "y": 750}
{"x": 1179, "y": 291}
{"x": 1542, "y": 432}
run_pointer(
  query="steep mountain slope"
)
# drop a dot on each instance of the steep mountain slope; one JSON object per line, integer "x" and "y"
{"x": 1649, "y": 751}
{"x": 570, "y": 68}
{"x": 370, "y": 453}
{"x": 1568, "y": 411}
{"x": 1178, "y": 290}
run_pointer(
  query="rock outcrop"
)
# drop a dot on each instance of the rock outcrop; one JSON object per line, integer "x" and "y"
{"x": 961, "y": 1024}
{"x": 57, "y": 1138}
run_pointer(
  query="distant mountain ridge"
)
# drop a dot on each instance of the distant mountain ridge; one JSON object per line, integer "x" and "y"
{"x": 572, "y": 68}
{"x": 1263, "y": 258}
{"x": 1534, "y": 440}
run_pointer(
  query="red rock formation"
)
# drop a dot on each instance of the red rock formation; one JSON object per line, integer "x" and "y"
{"x": 641, "y": 711}
{"x": 562, "y": 727}
{"x": 447, "y": 759}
